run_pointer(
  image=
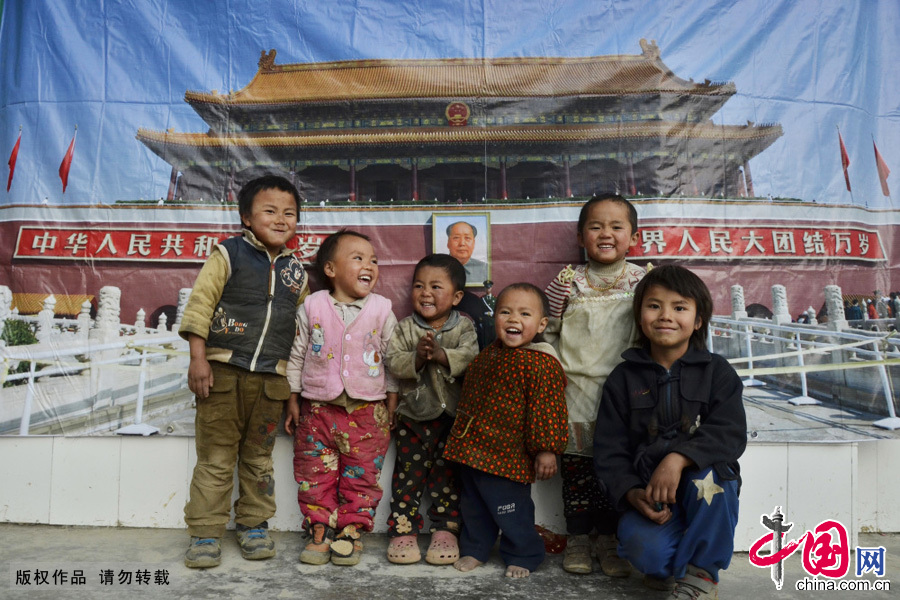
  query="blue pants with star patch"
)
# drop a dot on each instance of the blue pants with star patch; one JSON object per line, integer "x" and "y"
{"x": 700, "y": 532}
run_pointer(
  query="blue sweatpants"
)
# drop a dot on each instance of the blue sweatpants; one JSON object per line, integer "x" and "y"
{"x": 700, "y": 532}
{"x": 492, "y": 505}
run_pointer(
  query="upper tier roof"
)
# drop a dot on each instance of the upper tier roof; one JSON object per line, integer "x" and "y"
{"x": 520, "y": 77}
{"x": 186, "y": 148}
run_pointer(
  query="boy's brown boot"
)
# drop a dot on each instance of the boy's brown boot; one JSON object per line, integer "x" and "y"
{"x": 610, "y": 562}
{"x": 577, "y": 556}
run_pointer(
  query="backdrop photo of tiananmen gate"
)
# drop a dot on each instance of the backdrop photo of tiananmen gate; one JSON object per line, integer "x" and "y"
{"x": 467, "y": 129}
{"x": 746, "y": 148}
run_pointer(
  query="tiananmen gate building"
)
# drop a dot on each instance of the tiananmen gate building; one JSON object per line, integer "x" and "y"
{"x": 462, "y": 130}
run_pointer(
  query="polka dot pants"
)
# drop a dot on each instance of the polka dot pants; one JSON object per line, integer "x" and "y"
{"x": 419, "y": 469}
{"x": 585, "y": 506}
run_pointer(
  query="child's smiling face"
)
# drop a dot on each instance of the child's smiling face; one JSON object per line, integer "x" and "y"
{"x": 519, "y": 317}
{"x": 272, "y": 218}
{"x": 433, "y": 295}
{"x": 607, "y": 234}
{"x": 353, "y": 270}
{"x": 668, "y": 319}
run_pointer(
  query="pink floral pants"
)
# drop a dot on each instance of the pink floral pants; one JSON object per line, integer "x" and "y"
{"x": 338, "y": 457}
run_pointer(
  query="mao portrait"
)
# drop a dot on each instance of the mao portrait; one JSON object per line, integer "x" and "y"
{"x": 466, "y": 237}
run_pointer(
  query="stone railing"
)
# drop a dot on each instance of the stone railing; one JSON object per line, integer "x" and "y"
{"x": 853, "y": 362}
{"x": 105, "y": 353}
{"x": 106, "y": 324}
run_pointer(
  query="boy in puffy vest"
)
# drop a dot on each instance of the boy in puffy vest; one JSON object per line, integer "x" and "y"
{"x": 336, "y": 411}
{"x": 239, "y": 322}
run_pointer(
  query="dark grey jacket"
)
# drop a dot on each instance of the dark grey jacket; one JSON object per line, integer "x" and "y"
{"x": 646, "y": 412}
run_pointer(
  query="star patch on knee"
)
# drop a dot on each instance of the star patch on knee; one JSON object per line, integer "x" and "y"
{"x": 707, "y": 488}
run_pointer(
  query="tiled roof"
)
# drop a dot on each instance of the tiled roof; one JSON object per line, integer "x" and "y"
{"x": 462, "y": 135}
{"x": 66, "y": 304}
{"x": 460, "y": 78}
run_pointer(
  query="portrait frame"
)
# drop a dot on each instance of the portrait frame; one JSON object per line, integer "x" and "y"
{"x": 478, "y": 264}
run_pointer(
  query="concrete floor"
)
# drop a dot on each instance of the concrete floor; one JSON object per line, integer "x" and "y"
{"x": 30, "y": 548}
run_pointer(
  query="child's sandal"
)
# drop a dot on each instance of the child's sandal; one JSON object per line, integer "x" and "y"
{"x": 404, "y": 550}
{"x": 347, "y": 547}
{"x": 443, "y": 550}
{"x": 318, "y": 548}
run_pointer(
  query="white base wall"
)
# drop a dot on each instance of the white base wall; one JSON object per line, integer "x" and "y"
{"x": 143, "y": 482}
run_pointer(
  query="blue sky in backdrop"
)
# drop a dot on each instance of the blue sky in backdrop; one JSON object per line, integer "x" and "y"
{"x": 114, "y": 66}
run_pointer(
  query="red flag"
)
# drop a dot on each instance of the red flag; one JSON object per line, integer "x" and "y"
{"x": 883, "y": 171}
{"x": 845, "y": 161}
{"x": 67, "y": 162}
{"x": 12, "y": 160}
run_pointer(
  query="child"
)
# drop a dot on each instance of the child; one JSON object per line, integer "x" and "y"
{"x": 237, "y": 369}
{"x": 669, "y": 433}
{"x": 341, "y": 430}
{"x": 510, "y": 426}
{"x": 591, "y": 326}
{"x": 428, "y": 353}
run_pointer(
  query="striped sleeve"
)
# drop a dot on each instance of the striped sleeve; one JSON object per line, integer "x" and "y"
{"x": 558, "y": 293}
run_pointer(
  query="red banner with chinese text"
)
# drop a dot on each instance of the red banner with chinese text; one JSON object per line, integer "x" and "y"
{"x": 136, "y": 245}
{"x": 762, "y": 242}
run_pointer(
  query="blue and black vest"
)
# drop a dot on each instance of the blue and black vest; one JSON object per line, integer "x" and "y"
{"x": 255, "y": 317}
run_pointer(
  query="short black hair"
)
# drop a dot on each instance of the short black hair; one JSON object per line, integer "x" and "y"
{"x": 267, "y": 182}
{"x": 523, "y": 286}
{"x": 328, "y": 248}
{"x": 455, "y": 223}
{"x": 450, "y": 265}
{"x": 632, "y": 211}
{"x": 684, "y": 283}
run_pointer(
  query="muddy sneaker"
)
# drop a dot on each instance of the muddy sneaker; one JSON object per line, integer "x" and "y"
{"x": 696, "y": 584}
{"x": 577, "y": 557}
{"x": 347, "y": 547}
{"x": 660, "y": 585}
{"x": 318, "y": 548}
{"x": 203, "y": 553}
{"x": 255, "y": 542}
{"x": 610, "y": 562}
